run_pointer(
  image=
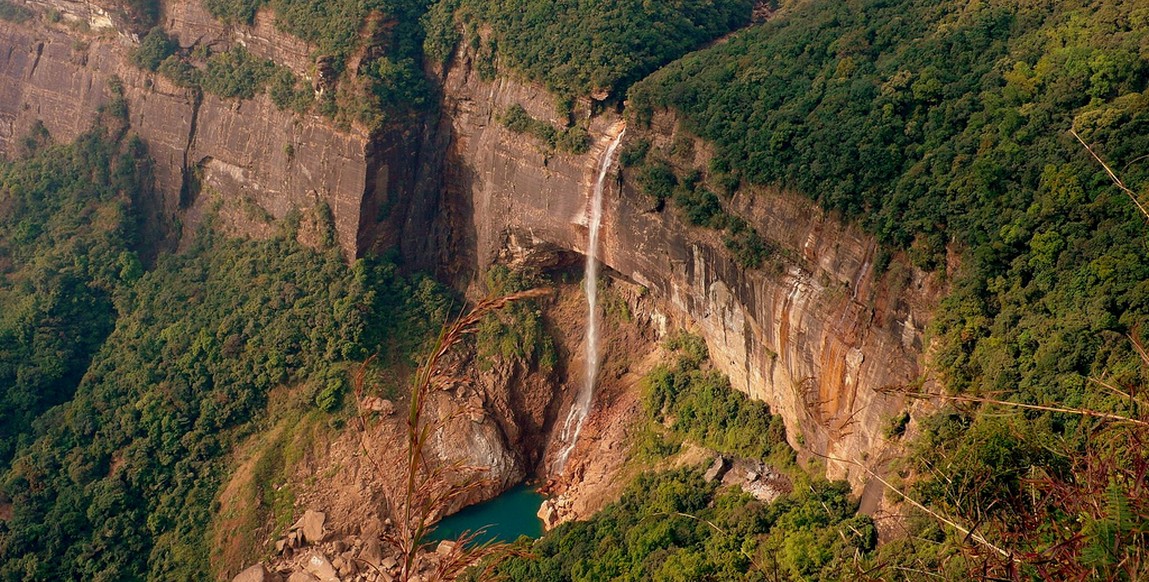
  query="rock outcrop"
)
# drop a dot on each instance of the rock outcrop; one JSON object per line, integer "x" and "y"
{"x": 817, "y": 336}
{"x": 256, "y": 573}
{"x": 249, "y": 160}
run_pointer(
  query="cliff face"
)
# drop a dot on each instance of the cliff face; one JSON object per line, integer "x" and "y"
{"x": 252, "y": 161}
{"x": 816, "y": 337}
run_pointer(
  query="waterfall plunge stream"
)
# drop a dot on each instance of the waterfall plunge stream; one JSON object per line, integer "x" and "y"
{"x": 581, "y": 406}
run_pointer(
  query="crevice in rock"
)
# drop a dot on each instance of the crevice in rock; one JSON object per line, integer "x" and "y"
{"x": 39, "y": 51}
{"x": 188, "y": 185}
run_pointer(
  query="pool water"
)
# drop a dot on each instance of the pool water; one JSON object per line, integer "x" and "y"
{"x": 506, "y": 517}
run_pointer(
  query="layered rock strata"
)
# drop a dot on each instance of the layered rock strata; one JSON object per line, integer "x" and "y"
{"x": 246, "y": 159}
{"x": 817, "y": 334}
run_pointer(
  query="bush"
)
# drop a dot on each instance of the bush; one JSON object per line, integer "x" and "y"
{"x": 14, "y": 12}
{"x": 287, "y": 92}
{"x": 234, "y": 11}
{"x": 235, "y": 73}
{"x": 574, "y": 140}
{"x": 154, "y": 49}
{"x": 634, "y": 153}
{"x": 658, "y": 180}
{"x": 180, "y": 71}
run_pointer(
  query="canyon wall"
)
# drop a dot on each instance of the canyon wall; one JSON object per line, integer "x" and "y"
{"x": 817, "y": 335}
{"x": 246, "y": 159}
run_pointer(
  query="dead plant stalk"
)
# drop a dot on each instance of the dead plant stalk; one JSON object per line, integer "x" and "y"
{"x": 430, "y": 488}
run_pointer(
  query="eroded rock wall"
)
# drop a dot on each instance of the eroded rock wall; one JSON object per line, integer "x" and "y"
{"x": 817, "y": 335}
{"x": 248, "y": 159}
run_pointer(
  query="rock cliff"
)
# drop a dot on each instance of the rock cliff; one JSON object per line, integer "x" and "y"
{"x": 817, "y": 336}
{"x": 248, "y": 159}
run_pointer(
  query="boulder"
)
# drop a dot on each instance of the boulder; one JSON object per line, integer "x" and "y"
{"x": 549, "y": 514}
{"x": 322, "y": 569}
{"x": 311, "y": 526}
{"x": 256, "y": 573}
{"x": 446, "y": 547}
{"x": 380, "y": 405}
{"x": 717, "y": 469}
{"x": 302, "y": 577}
{"x": 372, "y": 553}
{"x": 345, "y": 567}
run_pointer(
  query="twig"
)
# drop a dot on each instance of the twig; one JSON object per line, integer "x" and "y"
{"x": 968, "y": 532}
{"x": 427, "y": 490}
{"x": 1132, "y": 195}
{"x": 1080, "y": 411}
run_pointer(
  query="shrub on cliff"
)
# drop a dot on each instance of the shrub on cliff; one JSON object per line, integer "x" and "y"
{"x": 699, "y": 404}
{"x": 234, "y": 11}
{"x": 153, "y": 49}
{"x": 14, "y": 12}
{"x": 288, "y": 92}
{"x": 572, "y": 140}
{"x": 518, "y": 331}
{"x": 236, "y": 73}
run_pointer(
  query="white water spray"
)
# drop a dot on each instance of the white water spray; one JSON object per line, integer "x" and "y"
{"x": 581, "y": 406}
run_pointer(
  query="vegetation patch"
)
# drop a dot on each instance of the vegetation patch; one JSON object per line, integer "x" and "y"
{"x": 577, "y": 48}
{"x": 516, "y": 332}
{"x": 232, "y": 74}
{"x": 572, "y": 140}
{"x": 388, "y": 82}
{"x": 700, "y": 206}
{"x": 14, "y": 12}
{"x": 697, "y": 403}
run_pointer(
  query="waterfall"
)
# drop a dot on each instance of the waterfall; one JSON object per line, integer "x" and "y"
{"x": 581, "y": 406}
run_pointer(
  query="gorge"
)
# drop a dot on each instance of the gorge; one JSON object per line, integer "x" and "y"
{"x": 861, "y": 235}
{"x": 814, "y": 339}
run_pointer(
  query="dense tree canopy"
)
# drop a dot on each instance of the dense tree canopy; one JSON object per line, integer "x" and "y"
{"x": 579, "y": 47}
{"x": 66, "y": 234}
{"x": 122, "y": 391}
{"x": 944, "y": 128}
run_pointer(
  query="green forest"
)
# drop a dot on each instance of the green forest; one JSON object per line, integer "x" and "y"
{"x": 579, "y": 47}
{"x": 945, "y": 129}
{"x": 1000, "y": 147}
{"x": 125, "y": 388}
